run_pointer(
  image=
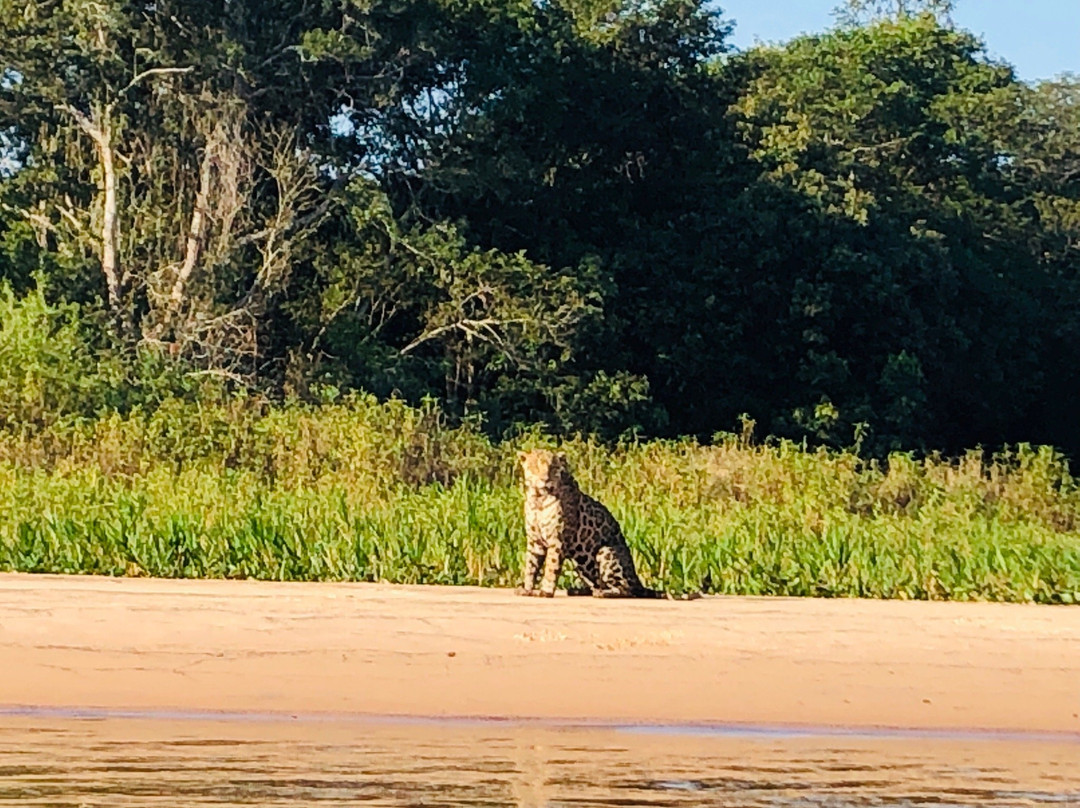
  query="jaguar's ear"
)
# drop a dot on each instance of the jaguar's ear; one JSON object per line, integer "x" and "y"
{"x": 521, "y": 457}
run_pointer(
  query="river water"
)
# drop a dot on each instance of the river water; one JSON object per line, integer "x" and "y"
{"x": 156, "y": 761}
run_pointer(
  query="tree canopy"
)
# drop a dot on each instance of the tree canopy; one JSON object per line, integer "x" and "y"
{"x": 587, "y": 213}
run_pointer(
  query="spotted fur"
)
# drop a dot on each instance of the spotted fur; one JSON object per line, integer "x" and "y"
{"x": 562, "y": 522}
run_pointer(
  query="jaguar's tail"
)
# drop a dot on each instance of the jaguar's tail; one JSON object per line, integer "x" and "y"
{"x": 645, "y": 592}
{"x": 636, "y": 592}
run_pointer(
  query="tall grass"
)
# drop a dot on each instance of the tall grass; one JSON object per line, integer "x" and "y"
{"x": 384, "y": 492}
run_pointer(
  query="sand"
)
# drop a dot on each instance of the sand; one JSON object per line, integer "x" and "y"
{"x": 290, "y": 649}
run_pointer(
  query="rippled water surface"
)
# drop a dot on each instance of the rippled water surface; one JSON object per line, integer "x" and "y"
{"x": 123, "y": 762}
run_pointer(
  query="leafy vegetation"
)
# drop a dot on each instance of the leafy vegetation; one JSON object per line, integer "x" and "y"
{"x": 359, "y": 490}
{"x": 588, "y": 215}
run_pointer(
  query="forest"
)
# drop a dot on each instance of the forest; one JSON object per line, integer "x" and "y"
{"x": 595, "y": 216}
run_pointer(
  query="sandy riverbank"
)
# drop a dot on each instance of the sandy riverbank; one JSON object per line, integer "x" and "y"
{"x": 365, "y": 648}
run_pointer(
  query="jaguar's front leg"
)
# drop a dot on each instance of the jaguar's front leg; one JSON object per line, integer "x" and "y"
{"x": 552, "y": 567}
{"x": 534, "y": 560}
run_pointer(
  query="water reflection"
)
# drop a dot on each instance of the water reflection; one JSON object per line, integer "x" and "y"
{"x": 122, "y": 763}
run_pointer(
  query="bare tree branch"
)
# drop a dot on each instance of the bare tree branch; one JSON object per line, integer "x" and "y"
{"x": 483, "y": 330}
{"x": 155, "y": 71}
{"x": 193, "y": 246}
{"x": 100, "y": 132}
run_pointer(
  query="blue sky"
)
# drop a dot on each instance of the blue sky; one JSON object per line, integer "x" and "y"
{"x": 1041, "y": 38}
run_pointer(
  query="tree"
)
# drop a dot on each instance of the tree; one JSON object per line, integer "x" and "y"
{"x": 67, "y": 66}
{"x": 412, "y": 307}
{"x": 577, "y": 212}
{"x": 918, "y": 277}
{"x": 861, "y": 12}
{"x": 589, "y": 136}
{"x": 163, "y": 151}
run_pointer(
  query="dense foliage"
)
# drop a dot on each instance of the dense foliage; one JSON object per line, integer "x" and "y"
{"x": 588, "y": 214}
{"x": 383, "y": 492}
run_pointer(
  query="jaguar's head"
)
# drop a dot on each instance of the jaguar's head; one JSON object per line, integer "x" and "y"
{"x": 544, "y": 469}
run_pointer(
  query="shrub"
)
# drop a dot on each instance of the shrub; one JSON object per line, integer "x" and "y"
{"x": 47, "y": 370}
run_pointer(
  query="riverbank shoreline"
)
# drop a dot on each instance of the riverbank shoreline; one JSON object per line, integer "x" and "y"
{"x": 415, "y": 652}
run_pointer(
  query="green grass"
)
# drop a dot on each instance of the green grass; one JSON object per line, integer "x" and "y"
{"x": 383, "y": 492}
